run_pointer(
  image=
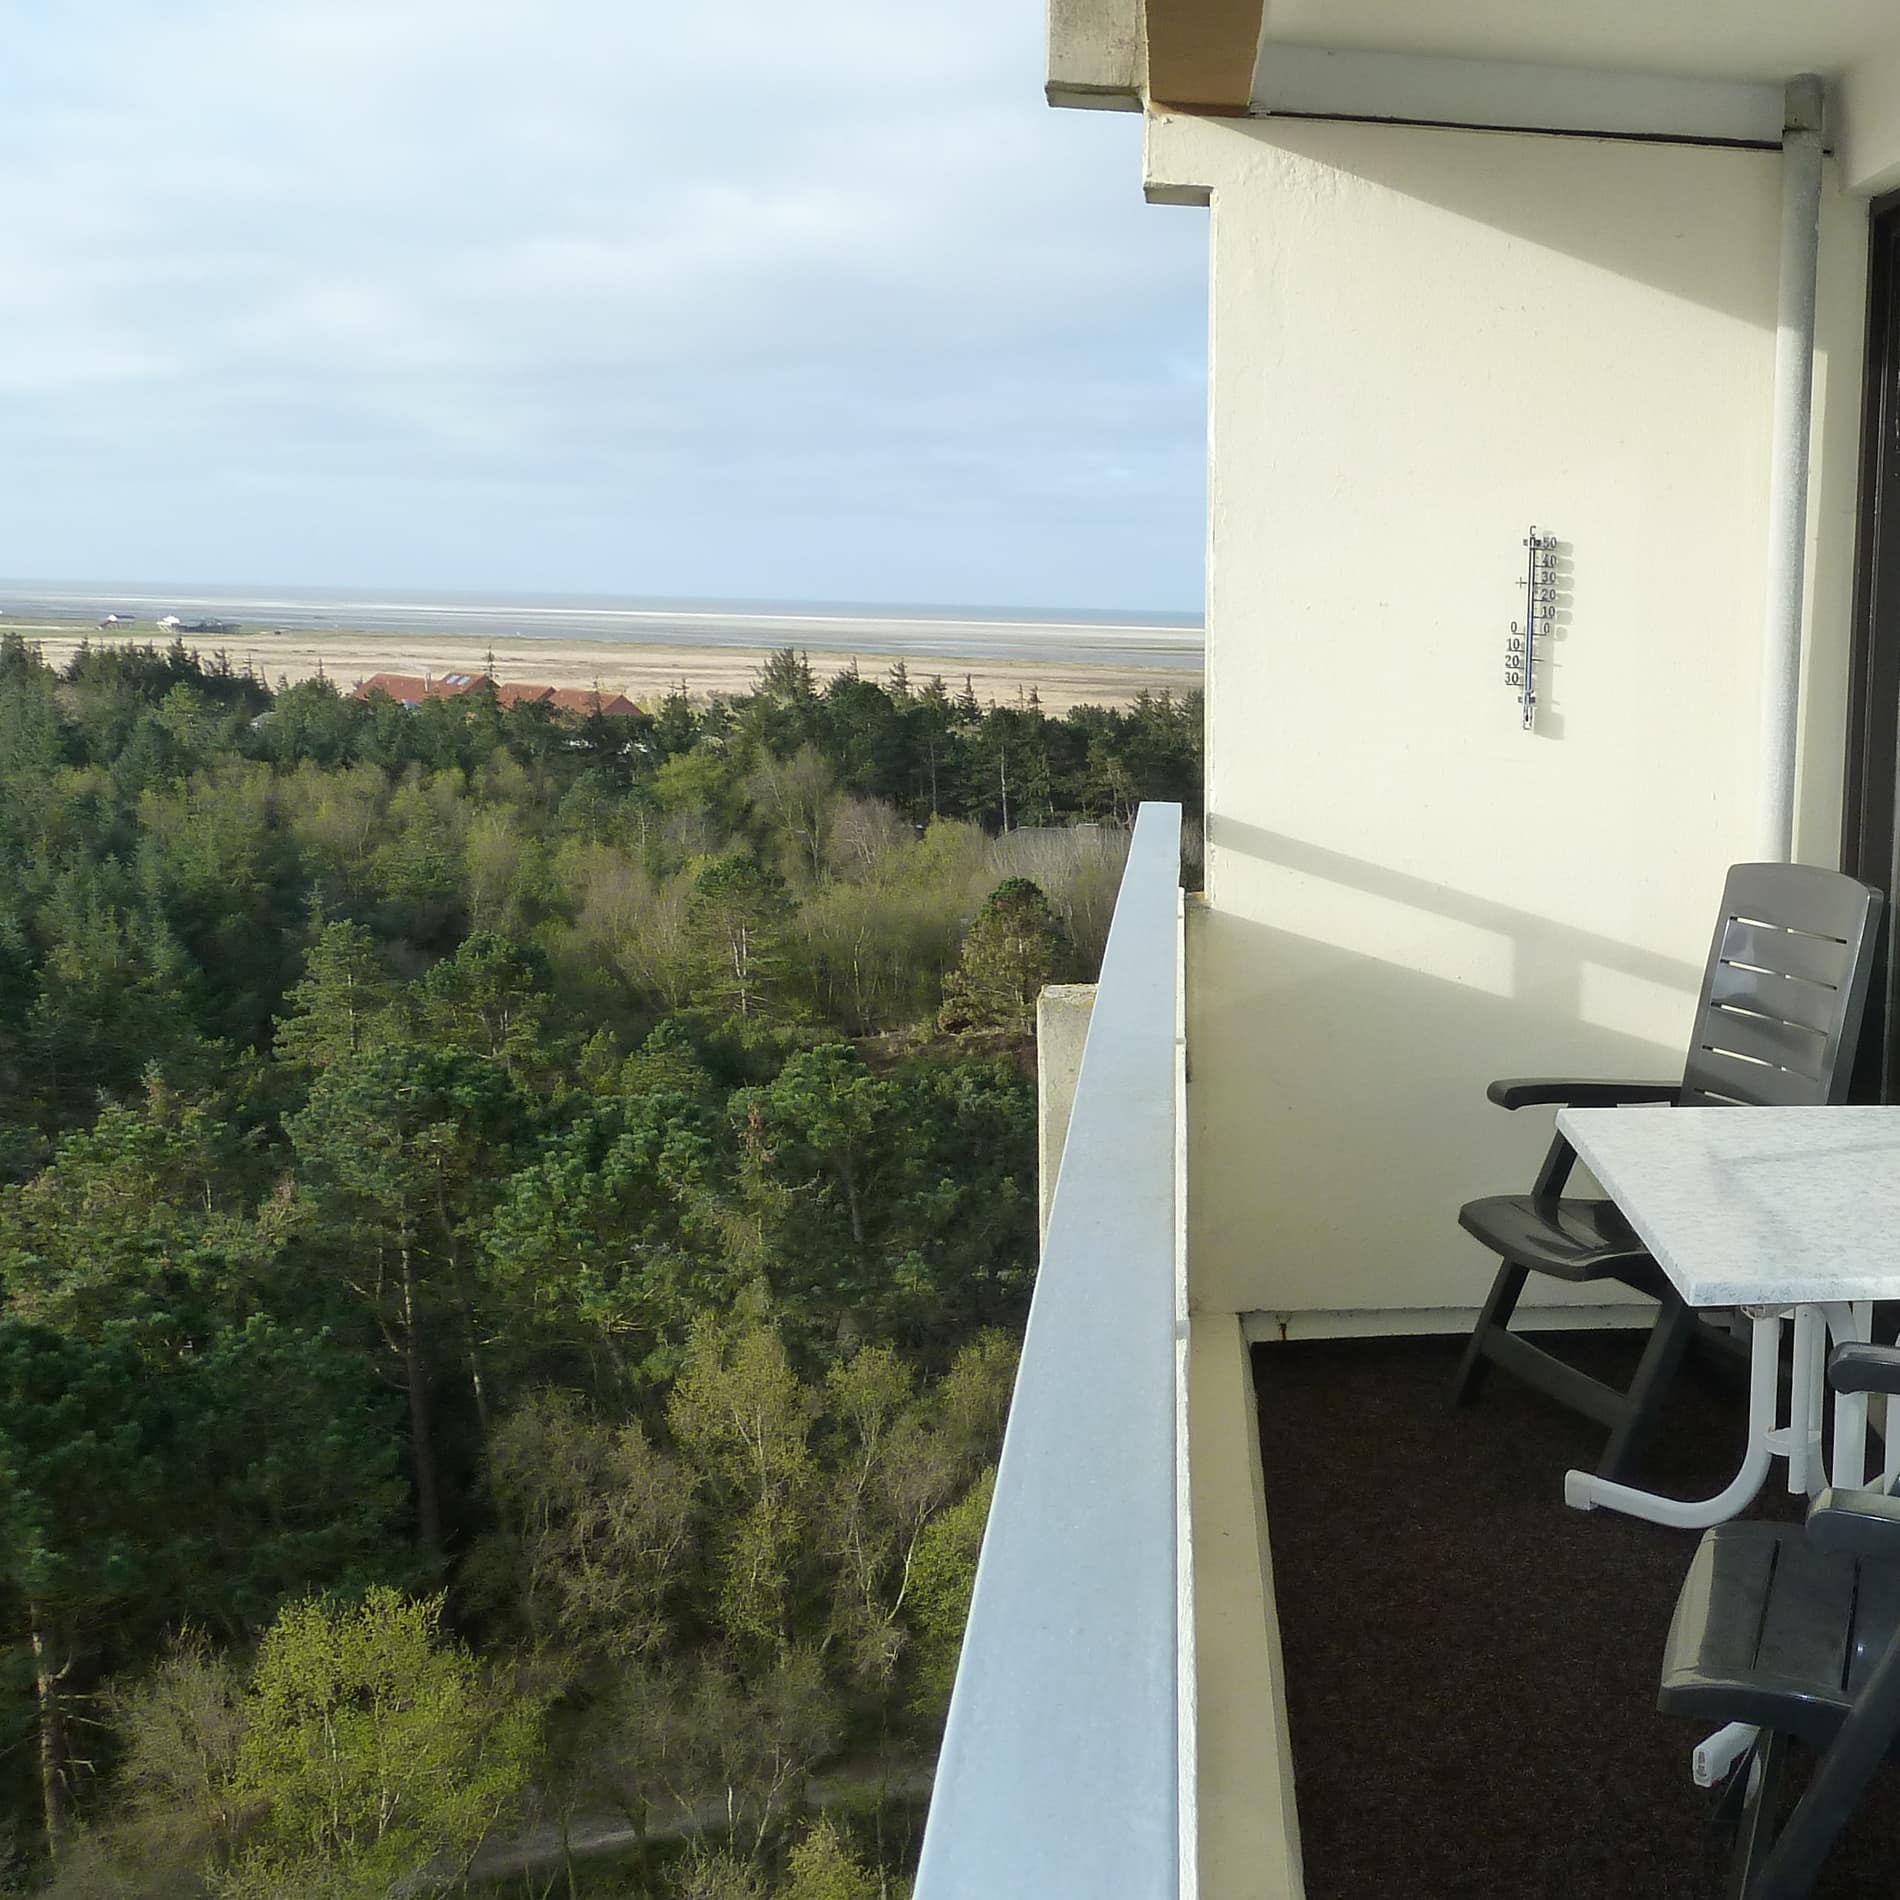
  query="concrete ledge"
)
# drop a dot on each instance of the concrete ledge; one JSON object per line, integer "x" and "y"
{"x": 1060, "y": 1771}
{"x": 1094, "y": 54}
{"x": 1062, "y": 1032}
{"x": 1249, "y": 1836}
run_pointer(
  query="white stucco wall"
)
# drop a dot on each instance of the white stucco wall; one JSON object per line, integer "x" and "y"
{"x": 1423, "y": 341}
{"x": 1866, "y": 116}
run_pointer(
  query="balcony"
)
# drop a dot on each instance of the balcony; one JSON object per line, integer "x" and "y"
{"x": 1472, "y": 1664}
{"x": 1451, "y": 305}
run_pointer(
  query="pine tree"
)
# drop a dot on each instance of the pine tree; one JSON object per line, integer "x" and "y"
{"x": 1015, "y": 947}
{"x": 343, "y": 1004}
{"x": 489, "y": 999}
{"x": 738, "y": 915}
{"x": 786, "y": 677}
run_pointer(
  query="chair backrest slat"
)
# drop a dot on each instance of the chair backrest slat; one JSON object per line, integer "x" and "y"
{"x": 1785, "y": 999}
{"x": 1781, "y": 1045}
{"x": 1785, "y": 989}
{"x": 1780, "y": 951}
{"x": 1725, "y": 1081}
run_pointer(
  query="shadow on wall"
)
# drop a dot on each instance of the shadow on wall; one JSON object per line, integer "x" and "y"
{"x": 1548, "y": 959}
{"x": 1338, "y": 1115}
{"x": 1656, "y": 214}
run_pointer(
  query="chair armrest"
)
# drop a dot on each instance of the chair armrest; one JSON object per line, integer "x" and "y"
{"x": 1856, "y": 1368}
{"x": 1856, "y": 1523}
{"x": 1534, "y": 1091}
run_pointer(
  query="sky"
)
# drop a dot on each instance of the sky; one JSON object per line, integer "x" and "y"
{"x": 733, "y": 299}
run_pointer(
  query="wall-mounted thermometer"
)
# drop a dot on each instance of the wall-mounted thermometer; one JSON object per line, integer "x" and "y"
{"x": 1540, "y": 607}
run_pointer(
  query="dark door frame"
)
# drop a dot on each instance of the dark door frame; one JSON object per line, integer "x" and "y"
{"x": 1870, "y": 806}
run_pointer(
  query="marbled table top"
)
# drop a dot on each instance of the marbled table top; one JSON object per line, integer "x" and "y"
{"x": 1755, "y": 1206}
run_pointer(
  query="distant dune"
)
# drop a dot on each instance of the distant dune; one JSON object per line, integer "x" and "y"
{"x": 643, "y": 672}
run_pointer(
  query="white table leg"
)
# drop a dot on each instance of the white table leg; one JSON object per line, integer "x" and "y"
{"x": 1587, "y": 1492}
{"x": 1799, "y": 1441}
{"x": 1890, "y": 1432}
{"x": 1850, "y": 1324}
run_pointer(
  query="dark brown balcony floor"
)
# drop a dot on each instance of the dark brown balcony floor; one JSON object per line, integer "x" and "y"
{"x": 1471, "y": 1665}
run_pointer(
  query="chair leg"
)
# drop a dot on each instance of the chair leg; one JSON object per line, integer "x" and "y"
{"x": 1756, "y": 1834}
{"x": 1722, "y": 1352}
{"x": 1859, "y": 1747}
{"x": 1499, "y": 1305}
{"x": 1669, "y": 1339}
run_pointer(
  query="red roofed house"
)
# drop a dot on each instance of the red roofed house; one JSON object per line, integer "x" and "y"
{"x": 514, "y": 693}
{"x": 409, "y": 689}
{"x": 590, "y": 699}
{"x": 406, "y": 689}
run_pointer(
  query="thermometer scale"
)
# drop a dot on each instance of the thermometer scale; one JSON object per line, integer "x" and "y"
{"x": 1540, "y": 608}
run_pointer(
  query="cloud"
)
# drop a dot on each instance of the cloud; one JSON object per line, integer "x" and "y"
{"x": 738, "y": 299}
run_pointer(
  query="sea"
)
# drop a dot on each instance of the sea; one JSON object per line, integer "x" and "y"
{"x": 1160, "y": 640}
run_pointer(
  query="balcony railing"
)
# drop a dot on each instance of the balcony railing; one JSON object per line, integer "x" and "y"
{"x": 1060, "y": 1776}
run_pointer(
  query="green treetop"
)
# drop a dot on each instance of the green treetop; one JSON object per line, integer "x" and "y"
{"x": 1015, "y": 947}
{"x": 371, "y": 1745}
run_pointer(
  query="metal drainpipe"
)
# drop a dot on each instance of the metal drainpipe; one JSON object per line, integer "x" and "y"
{"x": 1788, "y": 464}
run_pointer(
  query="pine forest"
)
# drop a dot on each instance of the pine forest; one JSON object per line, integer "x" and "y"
{"x": 514, "y": 1232}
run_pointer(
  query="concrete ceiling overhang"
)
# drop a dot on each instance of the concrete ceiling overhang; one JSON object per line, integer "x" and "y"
{"x": 1713, "y": 70}
{"x": 1174, "y": 55}
{"x": 1202, "y": 53}
{"x": 1765, "y": 41}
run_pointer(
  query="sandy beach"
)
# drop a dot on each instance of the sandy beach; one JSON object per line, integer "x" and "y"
{"x": 642, "y": 672}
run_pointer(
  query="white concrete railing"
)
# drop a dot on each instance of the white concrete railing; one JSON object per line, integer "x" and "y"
{"x": 1060, "y": 1776}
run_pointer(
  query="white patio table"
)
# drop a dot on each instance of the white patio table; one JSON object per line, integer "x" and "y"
{"x": 1780, "y": 1212}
